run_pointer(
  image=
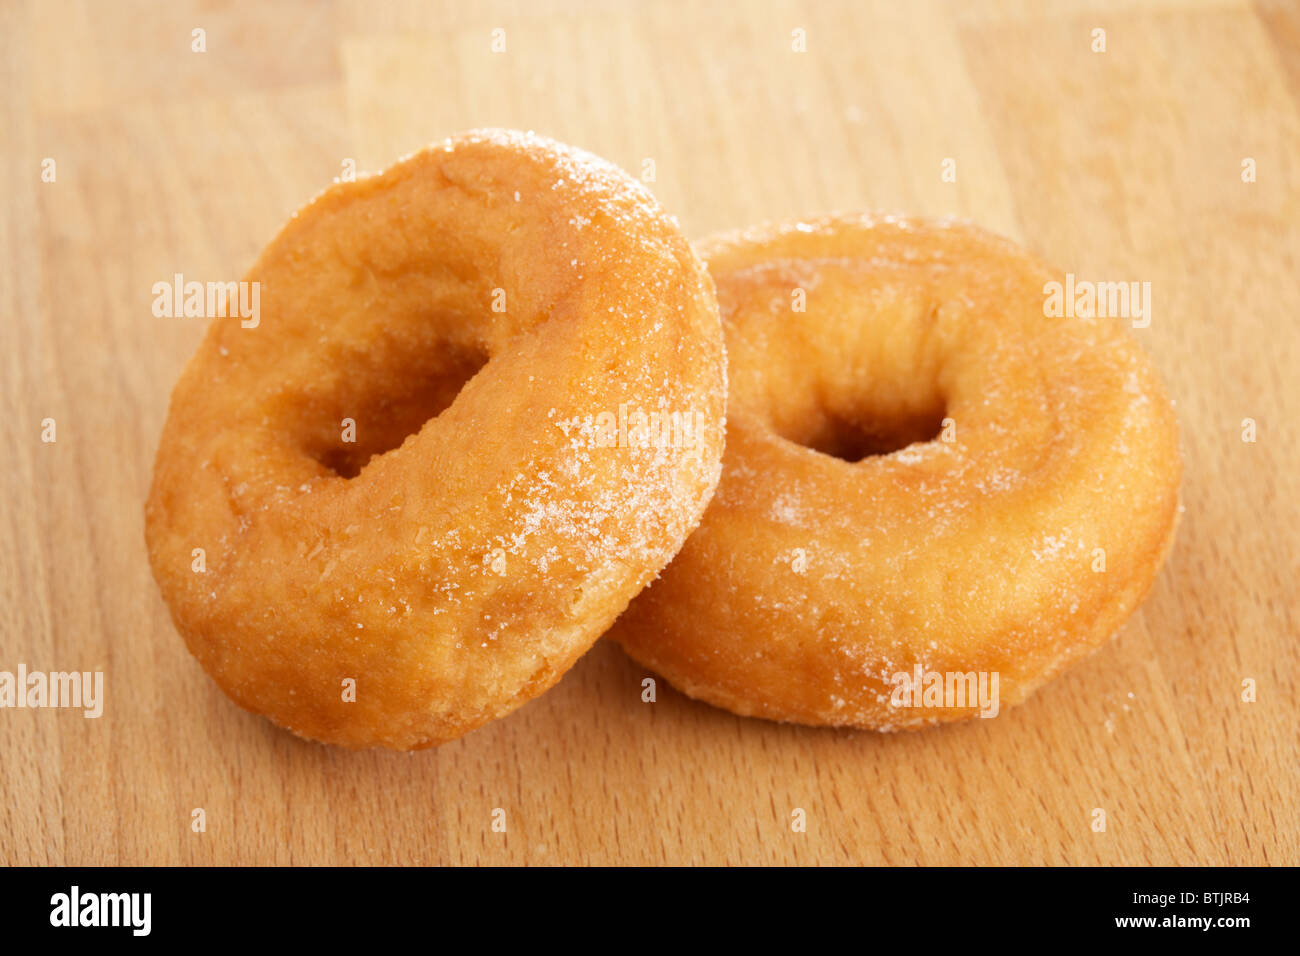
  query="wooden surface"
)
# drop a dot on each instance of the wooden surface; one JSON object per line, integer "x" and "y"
{"x": 1125, "y": 164}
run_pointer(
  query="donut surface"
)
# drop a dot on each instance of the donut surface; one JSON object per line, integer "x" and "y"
{"x": 924, "y": 475}
{"x": 466, "y": 311}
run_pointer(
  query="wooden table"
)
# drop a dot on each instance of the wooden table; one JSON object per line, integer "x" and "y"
{"x": 1123, "y": 164}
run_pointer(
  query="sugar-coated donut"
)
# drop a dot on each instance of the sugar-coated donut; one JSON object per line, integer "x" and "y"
{"x": 386, "y": 515}
{"x": 925, "y": 475}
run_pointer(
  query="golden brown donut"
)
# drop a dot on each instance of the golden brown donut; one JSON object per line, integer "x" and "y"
{"x": 467, "y": 310}
{"x": 924, "y": 475}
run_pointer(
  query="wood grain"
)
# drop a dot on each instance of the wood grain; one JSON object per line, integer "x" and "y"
{"x": 1125, "y": 164}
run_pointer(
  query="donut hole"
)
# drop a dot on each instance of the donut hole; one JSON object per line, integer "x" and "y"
{"x": 860, "y": 372}
{"x": 854, "y": 434}
{"x": 863, "y": 407}
{"x": 385, "y": 416}
{"x": 852, "y": 438}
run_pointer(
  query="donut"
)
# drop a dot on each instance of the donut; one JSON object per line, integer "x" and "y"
{"x": 927, "y": 482}
{"x": 386, "y": 514}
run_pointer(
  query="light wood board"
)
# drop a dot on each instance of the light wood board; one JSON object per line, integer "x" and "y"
{"x": 1121, "y": 165}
